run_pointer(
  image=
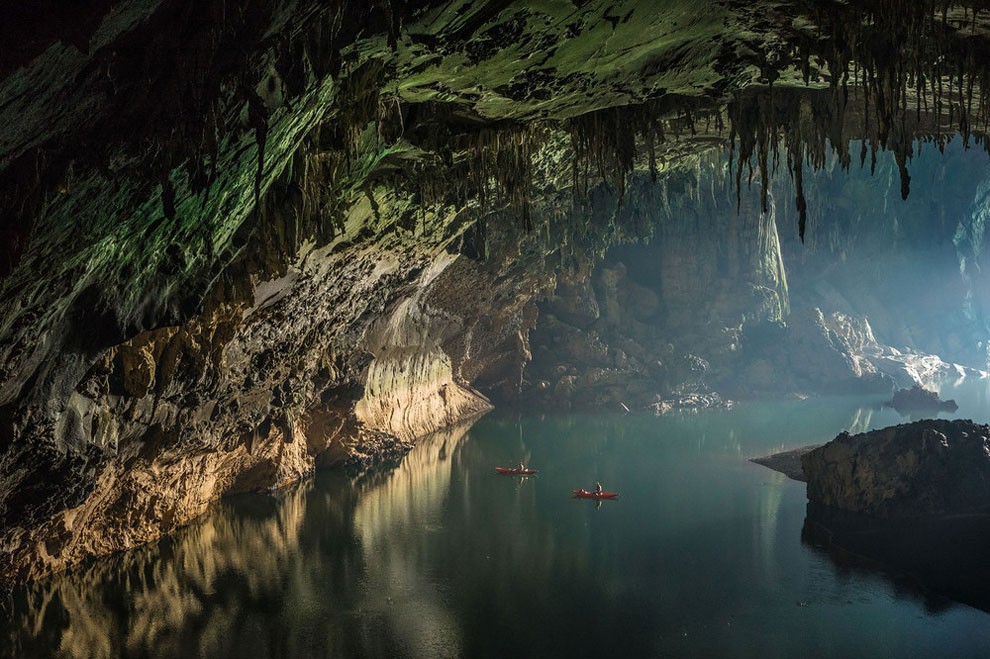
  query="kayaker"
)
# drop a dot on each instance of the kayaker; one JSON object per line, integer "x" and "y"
{"x": 598, "y": 487}
{"x": 522, "y": 467}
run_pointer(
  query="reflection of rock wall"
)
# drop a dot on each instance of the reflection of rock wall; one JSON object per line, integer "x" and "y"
{"x": 929, "y": 558}
{"x": 168, "y": 603}
{"x": 412, "y": 493}
{"x": 410, "y": 500}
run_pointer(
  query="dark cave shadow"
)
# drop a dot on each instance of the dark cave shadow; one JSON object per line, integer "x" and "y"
{"x": 937, "y": 561}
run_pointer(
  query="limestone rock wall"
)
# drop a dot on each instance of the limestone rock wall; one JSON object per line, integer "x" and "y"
{"x": 338, "y": 357}
{"x": 410, "y": 389}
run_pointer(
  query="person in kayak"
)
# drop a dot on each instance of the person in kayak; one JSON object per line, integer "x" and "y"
{"x": 598, "y": 487}
{"x": 522, "y": 467}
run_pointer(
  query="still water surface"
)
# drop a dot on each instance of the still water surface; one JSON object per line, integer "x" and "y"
{"x": 700, "y": 556}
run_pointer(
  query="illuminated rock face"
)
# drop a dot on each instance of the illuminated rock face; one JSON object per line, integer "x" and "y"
{"x": 237, "y": 244}
{"x": 341, "y": 358}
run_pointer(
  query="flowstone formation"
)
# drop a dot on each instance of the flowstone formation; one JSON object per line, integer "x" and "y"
{"x": 240, "y": 240}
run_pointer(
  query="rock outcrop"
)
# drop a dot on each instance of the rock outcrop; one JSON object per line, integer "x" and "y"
{"x": 928, "y": 468}
{"x": 821, "y": 357}
{"x": 920, "y": 400}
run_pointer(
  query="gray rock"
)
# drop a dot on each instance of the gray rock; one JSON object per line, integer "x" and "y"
{"x": 927, "y": 468}
{"x": 919, "y": 399}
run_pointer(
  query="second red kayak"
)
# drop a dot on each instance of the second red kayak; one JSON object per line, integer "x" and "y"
{"x": 585, "y": 494}
{"x": 515, "y": 471}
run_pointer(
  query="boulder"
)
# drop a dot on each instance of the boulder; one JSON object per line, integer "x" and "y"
{"x": 919, "y": 399}
{"x": 575, "y": 304}
{"x": 928, "y": 468}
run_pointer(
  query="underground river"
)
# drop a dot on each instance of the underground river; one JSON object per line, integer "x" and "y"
{"x": 701, "y": 555}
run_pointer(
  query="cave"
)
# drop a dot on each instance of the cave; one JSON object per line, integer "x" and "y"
{"x": 282, "y": 283}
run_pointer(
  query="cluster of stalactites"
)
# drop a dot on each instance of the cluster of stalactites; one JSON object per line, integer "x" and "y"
{"x": 215, "y": 67}
{"x": 887, "y": 72}
{"x": 606, "y": 143}
{"x": 494, "y": 168}
{"x": 918, "y": 69}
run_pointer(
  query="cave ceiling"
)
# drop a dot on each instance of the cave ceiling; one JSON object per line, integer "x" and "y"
{"x": 145, "y": 142}
{"x": 162, "y": 94}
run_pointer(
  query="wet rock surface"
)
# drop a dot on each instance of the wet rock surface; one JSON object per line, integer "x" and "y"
{"x": 692, "y": 402}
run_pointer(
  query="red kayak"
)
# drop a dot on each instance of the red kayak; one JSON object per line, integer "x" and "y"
{"x": 515, "y": 471}
{"x": 585, "y": 494}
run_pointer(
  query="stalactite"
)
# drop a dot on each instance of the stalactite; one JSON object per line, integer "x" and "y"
{"x": 902, "y": 53}
{"x": 258, "y": 118}
{"x": 607, "y": 142}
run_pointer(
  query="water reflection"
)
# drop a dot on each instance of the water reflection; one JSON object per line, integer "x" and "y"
{"x": 770, "y": 498}
{"x": 403, "y": 503}
{"x": 210, "y": 589}
{"x": 861, "y": 420}
{"x": 931, "y": 560}
{"x": 440, "y": 557}
{"x": 261, "y": 576}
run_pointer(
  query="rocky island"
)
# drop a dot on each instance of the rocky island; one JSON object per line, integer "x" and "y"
{"x": 927, "y": 468}
{"x": 913, "y": 498}
{"x": 920, "y": 400}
